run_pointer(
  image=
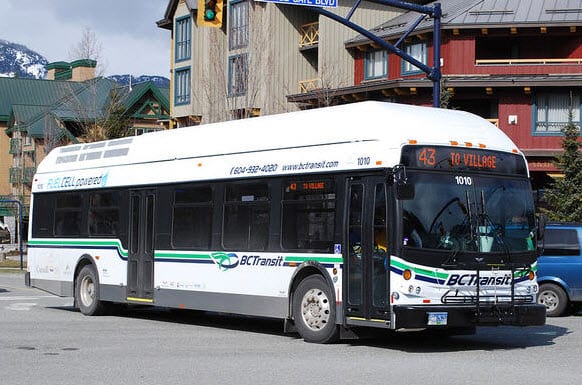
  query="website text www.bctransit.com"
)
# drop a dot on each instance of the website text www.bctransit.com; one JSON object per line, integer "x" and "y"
{"x": 274, "y": 167}
{"x": 310, "y": 165}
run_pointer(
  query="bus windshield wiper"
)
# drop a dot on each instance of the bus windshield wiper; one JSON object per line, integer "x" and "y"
{"x": 490, "y": 228}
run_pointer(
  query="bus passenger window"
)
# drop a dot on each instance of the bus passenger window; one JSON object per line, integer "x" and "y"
{"x": 308, "y": 217}
{"x": 68, "y": 215}
{"x": 192, "y": 218}
{"x": 246, "y": 217}
{"x": 103, "y": 217}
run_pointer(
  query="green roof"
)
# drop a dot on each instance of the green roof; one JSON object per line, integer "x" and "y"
{"x": 31, "y": 92}
{"x": 25, "y": 104}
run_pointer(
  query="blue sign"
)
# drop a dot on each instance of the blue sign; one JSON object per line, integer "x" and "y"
{"x": 308, "y": 3}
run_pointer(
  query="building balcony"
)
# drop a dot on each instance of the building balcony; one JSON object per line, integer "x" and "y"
{"x": 19, "y": 175}
{"x": 306, "y": 86}
{"x": 527, "y": 61}
{"x": 309, "y": 36}
{"x": 15, "y": 146}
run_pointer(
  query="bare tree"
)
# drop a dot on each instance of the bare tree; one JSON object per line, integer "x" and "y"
{"x": 232, "y": 88}
{"x": 89, "y": 47}
{"x": 329, "y": 81}
{"x": 91, "y": 113}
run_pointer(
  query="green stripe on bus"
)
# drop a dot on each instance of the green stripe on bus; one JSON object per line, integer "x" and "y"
{"x": 163, "y": 254}
{"x": 295, "y": 258}
{"x": 417, "y": 270}
{"x": 78, "y": 243}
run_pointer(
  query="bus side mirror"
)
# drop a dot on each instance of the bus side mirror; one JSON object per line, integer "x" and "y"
{"x": 404, "y": 190}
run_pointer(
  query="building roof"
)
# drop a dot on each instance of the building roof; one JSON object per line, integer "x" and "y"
{"x": 26, "y": 104}
{"x": 167, "y": 21}
{"x": 374, "y": 89}
{"x": 468, "y": 14}
{"x": 31, "y": 92}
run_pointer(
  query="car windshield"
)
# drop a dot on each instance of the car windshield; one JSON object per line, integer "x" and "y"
{"x": 468, "y": 213}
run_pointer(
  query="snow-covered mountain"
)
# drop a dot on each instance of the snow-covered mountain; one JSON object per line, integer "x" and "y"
{"x": 17, "y": 60}
{"x": 159, "y": 81}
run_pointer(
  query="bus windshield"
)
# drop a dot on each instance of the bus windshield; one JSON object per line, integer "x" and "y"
{"x": 469, "y": 213}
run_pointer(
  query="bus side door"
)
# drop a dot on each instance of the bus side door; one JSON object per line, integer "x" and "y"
{"x": 367, "y": 267}
{"x": 140, "y": 269}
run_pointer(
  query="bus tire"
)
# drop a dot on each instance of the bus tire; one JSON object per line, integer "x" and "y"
{"x": 554, "y": 298}
{"x": 87, "y": 292}
{"x": 314, "y": 311}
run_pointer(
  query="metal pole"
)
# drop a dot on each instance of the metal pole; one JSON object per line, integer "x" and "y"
{"x": 436, "y": 85}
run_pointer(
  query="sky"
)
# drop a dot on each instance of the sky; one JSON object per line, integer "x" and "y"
{"x": 130, "y": 40}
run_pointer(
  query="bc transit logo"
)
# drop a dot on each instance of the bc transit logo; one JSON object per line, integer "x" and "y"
{"x": 225, "y": 261}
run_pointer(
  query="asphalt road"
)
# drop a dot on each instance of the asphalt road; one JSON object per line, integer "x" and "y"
{"x": 43, "y": 340}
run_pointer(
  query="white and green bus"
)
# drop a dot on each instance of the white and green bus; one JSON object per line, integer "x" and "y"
{"x": 334, "y": 220}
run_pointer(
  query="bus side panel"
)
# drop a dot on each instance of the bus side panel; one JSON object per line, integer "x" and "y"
{"x": 52, "y": 264}
{"x": 240, "y": 283}
{"x": 261, "y": 306}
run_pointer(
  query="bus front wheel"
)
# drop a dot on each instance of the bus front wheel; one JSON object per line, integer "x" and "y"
{"x": 87, "y": 292}
{"x": 314, "y": 311}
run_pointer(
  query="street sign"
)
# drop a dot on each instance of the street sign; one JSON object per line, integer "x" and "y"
{"x": 308, "y": 3}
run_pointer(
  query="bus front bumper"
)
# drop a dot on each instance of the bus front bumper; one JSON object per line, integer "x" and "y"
{"x": 530, "y": 314}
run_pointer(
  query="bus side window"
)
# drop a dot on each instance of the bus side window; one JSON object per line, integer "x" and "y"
{"x": 308, "y": 215}
{"x": 68, "y": 214}
{"x": 43, "y": 211}
{"x": 103, "y": 216}
{"x": 192, "y": 218}
{"x": 246, "y": 217}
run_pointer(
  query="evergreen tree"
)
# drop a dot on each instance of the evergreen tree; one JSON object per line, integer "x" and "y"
{"x": 565, "y": 197}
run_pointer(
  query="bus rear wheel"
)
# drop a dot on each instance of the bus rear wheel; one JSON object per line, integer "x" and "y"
{"x": 87, "y": 292}
{"x": 314, "y": 311}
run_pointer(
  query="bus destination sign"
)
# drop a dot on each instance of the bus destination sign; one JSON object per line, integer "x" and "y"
{"x": 462, "y": 159}
{"x": 307, "y": 3}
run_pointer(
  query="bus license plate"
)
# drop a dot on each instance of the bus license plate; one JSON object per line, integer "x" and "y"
{"x": 437, "y": 319}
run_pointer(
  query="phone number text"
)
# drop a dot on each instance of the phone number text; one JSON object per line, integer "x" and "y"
{"x": 254, "y": 169}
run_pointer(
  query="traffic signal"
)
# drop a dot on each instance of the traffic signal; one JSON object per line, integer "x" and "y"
{"x": 210, "y": 13}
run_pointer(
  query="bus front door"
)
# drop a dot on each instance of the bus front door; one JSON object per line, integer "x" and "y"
{"x": 366, "y": 295}
{"x": 140, "y": 268}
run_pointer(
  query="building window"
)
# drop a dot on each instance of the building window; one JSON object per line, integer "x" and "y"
{"x": 417, "y": 51}
{"x": 375, "y": 64}
{"x": 183, "y": 38}
{"x": 182, "y": 88}
{"x": 551, "y": 111}
{"x": 239, "y": 24}
{"x": 237, "y": 75}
